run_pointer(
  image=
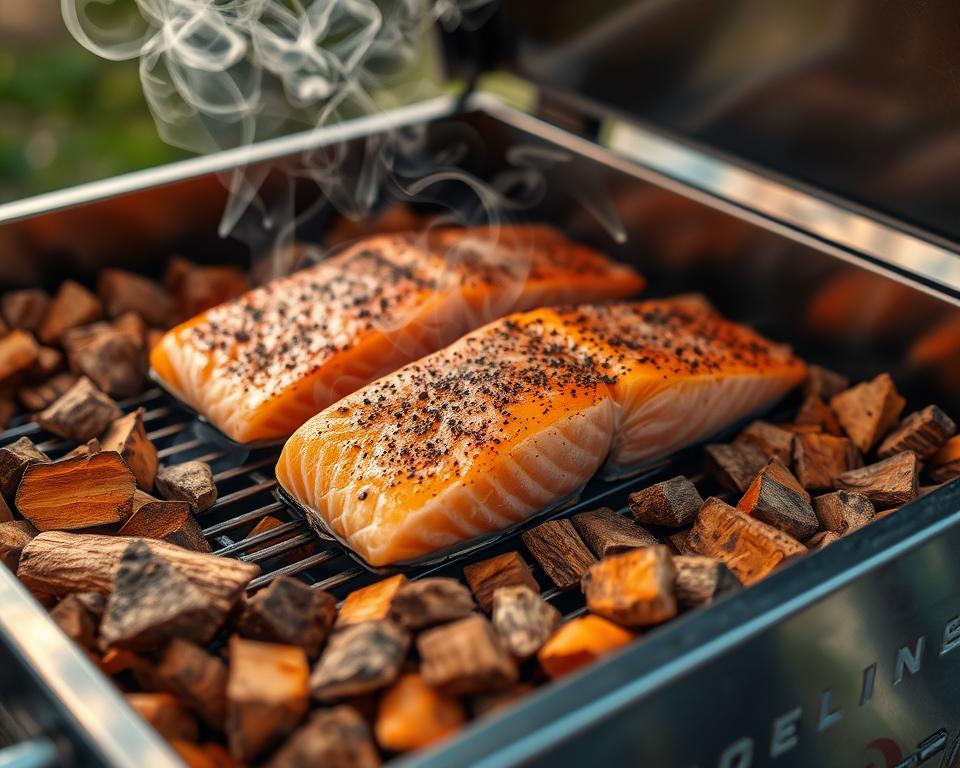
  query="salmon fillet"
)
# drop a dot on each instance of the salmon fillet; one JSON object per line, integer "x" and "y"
{"x": 259, "y": 366}
{"x": 517, "y": 416}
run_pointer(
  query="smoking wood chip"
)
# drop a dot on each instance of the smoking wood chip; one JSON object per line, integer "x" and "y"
{"x": 673, "y": 503}
{"x": 465, "y": 657}
{"x": 291, "y": 613}
{"x": 945, "y": 463}
{"x": 819, "y": 459}
{"x": 76, "y": 493}
{"x": 14, "y": 536}
{"x": 40, "y": 396}
{"x": 151, "y": 603}
{"x": 560, "y": 551}
{"x": 73, "y": 305}
{"x": 267, "y": 695}
{"x": 824, "y": 383}
{"x": 14, "y": 460}
{"x": 888, "y": 483}
{"x": 123, "y": 291}
{"x": 169, "y": 521}
{"x": 608, "y": 533}
{"x": 18, "y": 353}
{"x": 776, "y": 498}
{"x": 634, "y": 589}
{"x": 332, "y": 738}
{"x": 191, "y": 482}
{"x": 868, "y": 411}
{"x": 814, "y": 412}
{"x": 923, "y": 432}
{"x": 167, "y": 716}
{"x": 198, "y": 288}
{"x": 111, "y": 357}
{"x": 25, "y": 309}
{"x": 82, "y": 412}
{"x": 88, "y": 448}
{"x": 843, "y": 511}
{"x": 359, "y": 659}
{"x": 749, "y": 547}
{"x": 198, "y": 678}
{"x": 821, "y": 540}
{"x": 427, "y": 602}
{"x": 72, "y": 616}
{"x": 128, "y": 437}
{"x": 774, "y": 441}
{"x": 734, "y": 466}
{"x": 523, "y": 620}
{"x": 487, "y": 576}
{"x": 413, "y": 714}
{"x": 371, "y": 602}
{"x": 581, "y": 641}
{"x": 701, "y": 580}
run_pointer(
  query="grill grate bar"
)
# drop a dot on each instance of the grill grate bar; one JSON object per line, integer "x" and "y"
{"x": 162, "y": 432}
{"x": 262, "y": 537}
{"x": 247, "y": 468}
{"x": 308, "y": 562}
{"x": 243, "y": 519}
{"x": 279, "y": 548}
{"x": 180, "y": 448}
{"x": 332, "y": 582}
{"x": 243, "y": 493}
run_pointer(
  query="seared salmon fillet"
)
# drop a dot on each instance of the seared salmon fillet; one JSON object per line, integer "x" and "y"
{"x": 259, "y": 366}
{"x": 516, "y": 416}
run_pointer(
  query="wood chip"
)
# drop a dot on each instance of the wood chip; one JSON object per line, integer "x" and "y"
{"x": 923, "y": 432}
{"x": 523, "y": 620}
{"x": 88, "y": 448}
{"x": 824, "y": 383}
{"x": 72, "y": 616}
{"x": 821, "y": 540}
{"x": 634, "y": 589}
{"x": 359, "y": 659}
{"x": 165, "y": 714}
{"x": 18, "y": 353}
{"x": 332, "y": 738}
{"x": 48, "y": 362}
{"x": 777, "y": 498}
{"x": 25, "y": 309}
{"x": 267, "y": 695}
{"x": 814, "y": 412}
{"x": 14, "y": 460}
{"x": 111, "y": 357}
{"x": 371, "y": 602}
{"x": 198, "y": 288}
{"x": 673, "y": 503}
{"x": 289, "y": 612}
{"x": 701, "y": 580}
{"x": 487, "y": 576}
{"x": 14, "y": 536}
{"x": 430, "y": 601}
{"x": 843, "y": 511}
{"x": 775, "y": 442}
{"x": 82, "y": 412}
{"x": 198, "y": 678}
{"x": 72, "y": 306}
{"x": 465, "y": 657}
{"x": 734, "y": 466}
{"x": 268, "y": 523}
{"x": 819, "y": 459}
{"x": 8, "y": 409}
{"x": 888, "y": 483}
{"x": 191, "y": 482}
{"x": 608, "y": 533}
{"x": 128, "y": 437}
{"x": 945, "y": 463}
{"x": 560, "y": 551}
{"x": 170, "y": 521}
{"x": 40, "y": 396}
{"x": 123, "y": 291}
{"x": 749, "y": 547}
{"x": 413, "y": 715}
{"x": 581, "y": 641}
{"x": 76, "y": 493}
{"x": 487, "y": 703}
{"x": 678, "y": 540}
{"x": 868, "y": 411}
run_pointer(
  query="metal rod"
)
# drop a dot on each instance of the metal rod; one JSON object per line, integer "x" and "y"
{"x": 246, "y": 517}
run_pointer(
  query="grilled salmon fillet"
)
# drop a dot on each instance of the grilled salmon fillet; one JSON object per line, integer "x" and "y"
{"x": 516, "y": 416}
{"x": 259, "y": 366}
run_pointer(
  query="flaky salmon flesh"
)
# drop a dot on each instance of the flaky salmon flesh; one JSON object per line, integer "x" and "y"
{"x": 260, "y": 365}
{"x": 518, "y": 415}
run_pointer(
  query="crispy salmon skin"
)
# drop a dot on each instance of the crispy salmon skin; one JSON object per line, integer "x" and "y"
{"x": 516, "y": 417}
{"x": 259, "y": 366}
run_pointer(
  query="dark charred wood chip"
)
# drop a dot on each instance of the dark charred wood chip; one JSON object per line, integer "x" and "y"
{"x": 426, "y": 602}
{"x": 634, "y": 589}
{"x": 608, "y": 533}
{"x": 560, "y": 551}
{"x": 18, "y": 355}
{"x": 734, "y": 466}
{"x": 14, "y": 460}
{"x": 128, "y": 437}
{"x": 673, "y": 503}
{"x": 123, "y": 291}
{"x": 82, "y": 412}
{"x": 821, "y": 540}
{"x": 111, "y": 357}
{"x": 465, "y": 657}
{"x": 523, "y": 620}
{"x": 73, "y": 306}
{"x": 14, "y": 536}
{"x": 72, "y": 616}
{"x": 332, "y": 738}
{"x": 167, "y": 716}
{"x": 290, "y": 612}
{"x": 843, "y": 511}
{"x": 43, "y": 395}
{"x": 358, "y": 659}
{"x": 923, "y": 432}
{"x": 824, "y": 383}
{"x": 170, "y": 521}
{"x": 888, "y": 483}
{"x": 776, "y": 498}
{"x": 198, "y": 678}
{"x": 191, "y": 482}
{"x": 814, "y": 412}
{"x": 25, "y": 309}
{"x": 487, "y": 576}
{"x": 868, "y": 411}
{"x": 701, "y": 580}
{"x": 774, "y": 441}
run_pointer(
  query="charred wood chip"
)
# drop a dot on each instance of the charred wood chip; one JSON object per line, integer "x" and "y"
{"x": 14, "y": 536}
{"x": 25, "y": 309}
{"x": 76, "y": 493}
{"x": 73, "y": 305}
{"x": 18, "y": 354}
{"x": 634, "y": 589}
{"x": 776, "y": 498}
{"x": 678, "y": 540}
{"x": 701, "y": 580}
{"x": 868, "y": 411}
{"x": 673, "y": 503}
{"x": 815, "y": 413}
{"x": 82, "y": 412}
{"x": 128, "y": 437}
{"x": 371, "y": 602}
{"x": 487, "y": 576}
{"x": 523, "y": 620}
{"x": 824, "y": 383}
{"x": 560, "y": 551}
{"x": 72, "y": 616}
{"x": 14, "y": 460}
{"x": 198, "y": 678}
{"x": 888, "y": 483}
{"x": 165, "y": 714}
{"x": 112, "y": 358}
{"x": 40, "y": 396}
{"x": 291, "y": 613}
{"x": 945, "y": 464}
{"x": 426, "y": 602}
{"x": 359, "y": 659}
{"x": 413, "y": 715}
{"x": 774, "y": 441}
{"x": 170, "y": 521}
{"x": 734, "y": 466}
{"x": 819, "y": 459}
{"x": 88, "y": 448}
{"x": 465, "y": 657}
{"x": 191, "y": 482}
{"x": 749, "y": 547}
{"x": 267, "y": 696}
{"x": 332, "y": 738}
{"x": 608, "y": 533}
{"x": 123, "y": 291}
{"x": 581, "y": 641}
{"x": 132, "y": 324}
{"x": 843, "y": 511}
{"x": 821, "y": 540}
{"x": 923, "y": 432}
